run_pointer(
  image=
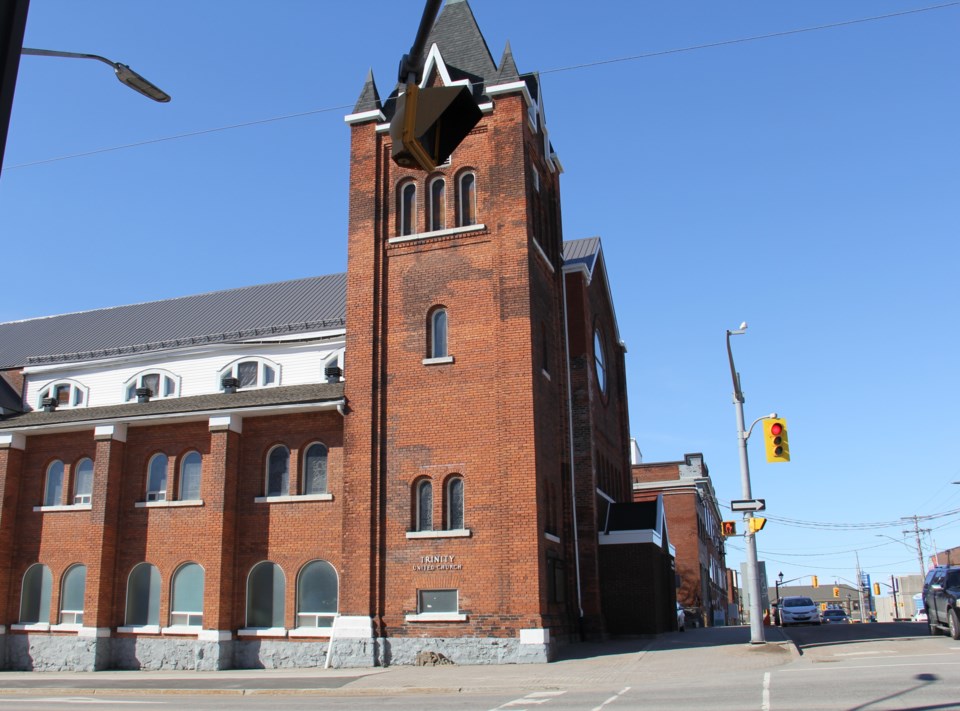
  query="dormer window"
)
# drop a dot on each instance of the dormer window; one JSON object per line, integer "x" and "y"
{"x": 160, "y": 384}
{"x": 66, "y": 393}
{"x": 251, "y": 373}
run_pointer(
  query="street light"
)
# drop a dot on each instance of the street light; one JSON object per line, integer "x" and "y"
{"x": 923, "y": 571}
{"x": 779, "y": 583}
{"x": 124, "y": 73}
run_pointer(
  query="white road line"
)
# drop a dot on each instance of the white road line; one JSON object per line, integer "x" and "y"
{"x": 765, "y": 704}
{"x": 79, "y": 700}
{"x": 535, "y": 698}
{"x": 613, "y": 698}
{"x": 834, "y": 667}
{"x": 860, "y": 654}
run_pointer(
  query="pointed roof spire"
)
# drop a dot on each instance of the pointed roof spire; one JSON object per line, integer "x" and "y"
{"x": 369, "y": 99}
{"x": 462, "y": 44}
{"x": 508, "y": 68}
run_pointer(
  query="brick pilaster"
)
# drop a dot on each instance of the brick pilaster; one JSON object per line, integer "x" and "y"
{"x": 11, "y": 466}
{"x": 105, "y": 506}
{"x": 220, "y": 502}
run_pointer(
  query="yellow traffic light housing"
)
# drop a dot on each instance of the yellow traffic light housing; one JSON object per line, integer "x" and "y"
{"x": 814, "y": 581}
{"x": 836, "y": 592}
{"x": 429, "y": 124}
{"x": 775, "y": 440}
{"x": 756, "y": 524}
{"x": 729, "y": 528}
{"x": 876, "y": 588}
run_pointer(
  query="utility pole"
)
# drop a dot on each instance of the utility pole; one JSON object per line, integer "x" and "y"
{"x": 916, "y": 532}
{"x": 860, "y": 585}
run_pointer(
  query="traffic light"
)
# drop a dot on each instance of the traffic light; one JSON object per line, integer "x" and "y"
{"x": 756, "y": 524}
{"x": 876, "y": 588}
{"x": 836, "y": 591}
{"x": 429, "y": 123}
{"x": 775, "y": 439}
{"x": 814, "y": 581}
{"x": 729, "y": 528}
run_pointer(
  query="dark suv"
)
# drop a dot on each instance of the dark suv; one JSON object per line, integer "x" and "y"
{"x": 940, "y": 592}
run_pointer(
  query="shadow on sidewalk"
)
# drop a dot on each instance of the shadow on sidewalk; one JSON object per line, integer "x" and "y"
{"x": 691, "y": 639}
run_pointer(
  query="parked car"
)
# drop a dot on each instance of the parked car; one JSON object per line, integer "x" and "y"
{"x": 941, "y": 588}
{"x": 920, "y": 615}
{"x": 798, "y": 610}
{"x": 681, "y": 619}
{"x": 834, "y": 616}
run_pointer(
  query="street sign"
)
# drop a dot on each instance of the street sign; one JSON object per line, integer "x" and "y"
{"x": 749, "y": 505}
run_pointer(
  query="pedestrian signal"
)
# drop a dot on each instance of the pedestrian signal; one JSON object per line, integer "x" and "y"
{"x": 814, "y": 581}
{"x": 757, "y": 524}
{"x": 775, "y": 440}
{"x": 729, "y": 528}
{"x": 836, "y": 592}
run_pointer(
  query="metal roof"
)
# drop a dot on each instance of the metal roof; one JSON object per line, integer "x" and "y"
{"x": 285, "y": 307}
{"x": 582, "y": 251}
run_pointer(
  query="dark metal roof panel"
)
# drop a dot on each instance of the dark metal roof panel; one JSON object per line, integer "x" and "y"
{"x": 282, "y": 307}
{"x": 582, "y": 251}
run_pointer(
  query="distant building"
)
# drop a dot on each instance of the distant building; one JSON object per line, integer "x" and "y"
{"x": 694, "y": 521}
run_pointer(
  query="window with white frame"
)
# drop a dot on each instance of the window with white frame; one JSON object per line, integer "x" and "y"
{"x": 83, "y": 481}
{"x": 278, "y": 471}
{"x": 437, "y": 602}
{"x": 160, "y": 384}
{"x": 408, "y": 208}
{"x": 315, "y": 469}
{"x": 157, "y": 478}
{"x": 437, "y": 211}
{"x": 66, "y": 393}
{"x": 454, "y": 503}
{"x": 266, "y": 588}
{"x": 251, "y": 373}
{"x": 423, "y": 502}
{"x": 143, "y": 596}
{"x": 186, "y": 599}
{"x": 35, "y": 595}
{"x": 467, "y": 200}
{"x": 53, "y": 484}
{"x": 317, "y": 594}
{"x": 190, "y": 469}
{"x": 71, "y": 595}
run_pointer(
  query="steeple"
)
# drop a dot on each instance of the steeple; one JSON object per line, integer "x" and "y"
{"x": 369, "y": 99}
{"x": 462, "y": 45}
{"x": 508, "y": 68}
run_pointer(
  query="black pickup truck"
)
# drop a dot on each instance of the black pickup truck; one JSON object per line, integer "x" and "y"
{"x": 941, "y": 589}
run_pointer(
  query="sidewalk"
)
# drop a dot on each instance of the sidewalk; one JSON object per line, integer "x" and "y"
{"x": 579, "y": 665}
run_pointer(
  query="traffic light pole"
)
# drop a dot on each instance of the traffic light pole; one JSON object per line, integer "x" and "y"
{"x": 749, "y": 537}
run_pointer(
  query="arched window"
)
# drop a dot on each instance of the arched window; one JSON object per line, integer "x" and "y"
{"x": 143, "y": 596}
{"x": 186, "y": 599}
{"x": 83, "y": 481}
{"x": 160, "y": 384}
{"x": 251, "y": 373}
{"x": 35, "y": 595}
{"x": 408, "y": 208}
{"x": 424, "y": 505}
{"x": 157, "y": 478}
{"x": 315, "y": 469}
{"x": 190, "y": 467}
{"x": 71, "y": 595}
{"x": 600, "y": 360}
{"x": 317, "y": 595}
{"x": 65, "y": 393}
{"x": 467, "y": 200}
{"x": 437, "y": 211}
{"x": 454, "y": 504}
{"x": 438, "y": 333}
{"x": 53, "y": 486}
{"x": 278, "y": 471}
{"x": 266, "y": 588}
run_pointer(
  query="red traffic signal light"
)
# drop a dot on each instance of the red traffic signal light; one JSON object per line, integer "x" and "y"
{"x": 775, "y": 440}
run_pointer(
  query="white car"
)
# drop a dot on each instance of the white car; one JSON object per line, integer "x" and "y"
{"x": 799, "y": 610}
{"x": 920, "y": 615}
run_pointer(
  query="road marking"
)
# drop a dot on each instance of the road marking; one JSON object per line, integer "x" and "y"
{"x": 829, "y": 667}
{"x": 859, "y": 654}
{"x": 765, "y": 704}
{"x": 535, "y": 698}
{"x": 613, "y": 698}
{"x": 80, "y": 700}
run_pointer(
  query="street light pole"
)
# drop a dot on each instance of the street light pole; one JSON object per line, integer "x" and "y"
{"x": 749, "y": 537}
{"x": 125, "y": 75}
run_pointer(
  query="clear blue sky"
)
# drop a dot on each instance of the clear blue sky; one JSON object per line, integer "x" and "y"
{"x": 805, "y": 183}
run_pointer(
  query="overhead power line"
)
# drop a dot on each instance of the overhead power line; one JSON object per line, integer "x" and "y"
{"x": 557, "y": 70}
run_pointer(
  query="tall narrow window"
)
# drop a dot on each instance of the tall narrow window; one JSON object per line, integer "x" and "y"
{"x": 265, "y": 593}
{"x": 315, "y": 470}
{"x": 190, "y": 468}
{"x": 438, "y": 334}
{"x": 408, "y": 209}
{"x": 157, "y": 478}
{"x": 317, "y": 596}
{"x": 53, "y": 488}
{"x": 35, "y": 595}
{"x": 83, "y": 481}
{"x": 424, "y": 504}
{"x": 600, "y": 361}
{"x": 186, "y": 599}
{"x": 71, "y": 595}
{"x": 467, "y": 207}
{"x": 437, "y": 204}
{"x": 455, "y": 504}
{"x": 278, "y": 471}
{"x": 143, "y": 596}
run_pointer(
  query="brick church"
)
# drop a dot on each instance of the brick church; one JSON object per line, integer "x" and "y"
{"x": 428, "y": 453}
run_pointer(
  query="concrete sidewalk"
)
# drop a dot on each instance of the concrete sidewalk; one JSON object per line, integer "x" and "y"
{"x": 579, "y": 665}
